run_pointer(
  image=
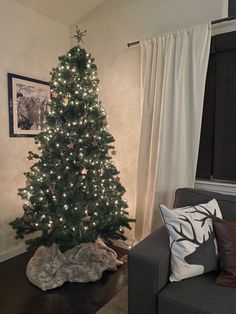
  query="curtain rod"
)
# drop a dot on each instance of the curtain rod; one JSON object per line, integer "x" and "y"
{"x": 225, "y": 19}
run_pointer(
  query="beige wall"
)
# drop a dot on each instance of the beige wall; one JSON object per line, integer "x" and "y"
{"x": 30, "y": 45}
{"x": 110, "y": 26}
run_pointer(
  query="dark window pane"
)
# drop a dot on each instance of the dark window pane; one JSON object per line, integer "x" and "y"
{"x": 224, "y": 165}
{"x": 232, "y": 7}
{"x": 205, "y": 157}
{"x": 217, "y": 151}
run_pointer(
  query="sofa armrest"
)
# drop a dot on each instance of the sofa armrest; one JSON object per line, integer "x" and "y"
{"x": 148, "y": 272}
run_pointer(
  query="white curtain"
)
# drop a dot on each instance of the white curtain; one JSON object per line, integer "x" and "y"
{"x": 174, "y": 68}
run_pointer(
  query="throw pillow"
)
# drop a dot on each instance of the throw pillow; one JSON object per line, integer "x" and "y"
{"x": 192, "y": 239}
{"x": 226, "y": 239}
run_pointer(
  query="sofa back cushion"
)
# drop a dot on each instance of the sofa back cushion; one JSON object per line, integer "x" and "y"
{"x": 192, "y": 197}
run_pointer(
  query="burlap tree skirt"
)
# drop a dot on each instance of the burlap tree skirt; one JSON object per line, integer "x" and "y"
{"x": 50, "y": 268}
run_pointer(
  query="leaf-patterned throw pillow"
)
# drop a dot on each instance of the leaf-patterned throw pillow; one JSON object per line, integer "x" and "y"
{"x": 192, "y": 239}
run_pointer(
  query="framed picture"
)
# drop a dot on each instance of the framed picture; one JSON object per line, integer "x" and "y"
{"x": 28, "y": 100}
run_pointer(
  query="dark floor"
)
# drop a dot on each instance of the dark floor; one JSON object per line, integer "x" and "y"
{"x": 19, "y": 296}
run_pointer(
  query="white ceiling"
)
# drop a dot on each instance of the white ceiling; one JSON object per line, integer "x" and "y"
{"x": 64, "y": 11}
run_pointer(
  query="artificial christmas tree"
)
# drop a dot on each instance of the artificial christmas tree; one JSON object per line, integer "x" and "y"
{"x": 73, "y": 193}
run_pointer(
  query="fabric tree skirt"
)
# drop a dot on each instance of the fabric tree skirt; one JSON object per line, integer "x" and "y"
{"x": 50, "y": 268}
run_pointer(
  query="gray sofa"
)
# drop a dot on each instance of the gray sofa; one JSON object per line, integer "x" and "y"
{"x": 150, "y": 292}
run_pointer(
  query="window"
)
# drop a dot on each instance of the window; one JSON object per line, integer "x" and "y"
{"x": 217, "y": 151}
{"x": 232, "y": 7}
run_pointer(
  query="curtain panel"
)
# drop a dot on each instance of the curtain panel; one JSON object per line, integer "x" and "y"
{"x": 173, "y": 70}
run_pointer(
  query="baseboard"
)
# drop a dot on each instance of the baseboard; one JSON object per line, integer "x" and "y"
{"x": 12, "y": 253}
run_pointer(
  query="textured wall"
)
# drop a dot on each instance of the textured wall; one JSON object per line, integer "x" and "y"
{"x": 110, "y": 26}
{"x": 30, "y": 45}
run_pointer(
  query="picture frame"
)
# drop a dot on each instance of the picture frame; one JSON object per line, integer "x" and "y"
{"x": 28, "y": 99}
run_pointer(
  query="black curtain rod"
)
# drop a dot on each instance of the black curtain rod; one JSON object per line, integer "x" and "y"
{"x": 225, "y": 19}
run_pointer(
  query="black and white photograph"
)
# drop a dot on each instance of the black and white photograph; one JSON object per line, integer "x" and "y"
{"x": 28, "y": 100}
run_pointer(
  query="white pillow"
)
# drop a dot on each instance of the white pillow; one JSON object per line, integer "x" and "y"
{"x": 192, "y": 239}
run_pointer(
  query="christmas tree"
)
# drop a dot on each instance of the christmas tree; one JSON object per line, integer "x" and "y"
{"x": 73, "y": 192}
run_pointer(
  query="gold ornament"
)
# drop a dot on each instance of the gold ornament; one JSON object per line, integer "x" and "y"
{"x": 71, "y": 145}
{"x": 95, "y": 143}
{"x": 105, "y": 123}
{"x": 27, "y": 182}
{"x": 66, "y": 101}
{"x": 52, "y": 190}
{"x": 113, "y": 152}
{"x": 30, "y": 157}
{"x": 86, "y": 218}
{"x": 54, "y": 94}
{"x": 84, "y": 171}
{"x": 117, "y": 179}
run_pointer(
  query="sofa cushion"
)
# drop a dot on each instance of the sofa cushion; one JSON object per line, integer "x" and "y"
{"x": 226, "y": 239}
{"x": 197, "y": 295}
{"x": 191, "y": 197}
{"x": 192, "y": 239}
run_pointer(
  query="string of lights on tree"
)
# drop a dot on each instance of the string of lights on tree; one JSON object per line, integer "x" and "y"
{"x": 73, "y": 192}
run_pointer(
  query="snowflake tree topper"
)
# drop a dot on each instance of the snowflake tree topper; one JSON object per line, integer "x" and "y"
{"x": 79, "y": 35}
